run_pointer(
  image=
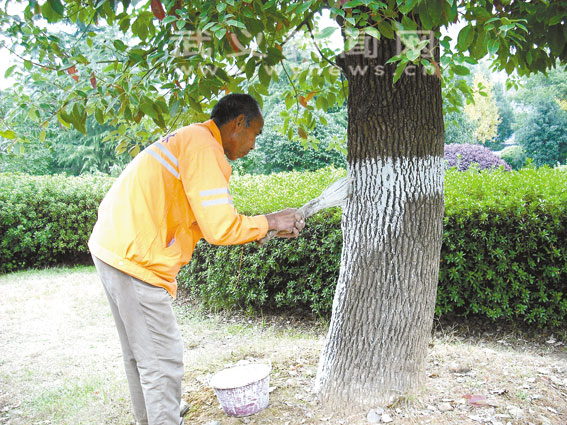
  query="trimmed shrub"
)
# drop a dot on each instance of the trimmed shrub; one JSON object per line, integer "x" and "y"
{"x": 296, "y": 274}
{"x": 514, "y": 156}
{"x": 504, "y": 249}
{"x": 462, "y": 156}
{"x": 504, "y": 253}
{"x": 47, "y": 220}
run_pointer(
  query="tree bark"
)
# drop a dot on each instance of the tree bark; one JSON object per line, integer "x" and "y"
{"x": 392, "y": 232}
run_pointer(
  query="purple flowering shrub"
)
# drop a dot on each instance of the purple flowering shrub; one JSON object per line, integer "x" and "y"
{"x": 463, "y": 155}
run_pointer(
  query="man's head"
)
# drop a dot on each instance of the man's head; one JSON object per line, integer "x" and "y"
{"x": 240, "y": 121}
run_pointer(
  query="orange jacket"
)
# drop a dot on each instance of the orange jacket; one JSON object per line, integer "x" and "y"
{"x": 171, "y": 195}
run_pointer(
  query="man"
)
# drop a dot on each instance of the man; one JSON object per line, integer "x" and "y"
{"x": 171, "y": 195}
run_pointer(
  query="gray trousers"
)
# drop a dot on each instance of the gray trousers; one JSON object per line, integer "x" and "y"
{"x": 151, "y": 345}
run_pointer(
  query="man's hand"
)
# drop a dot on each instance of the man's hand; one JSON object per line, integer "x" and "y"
{"x": 288, "y": 223}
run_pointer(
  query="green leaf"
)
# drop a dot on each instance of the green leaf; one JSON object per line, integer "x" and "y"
{"x": 119, "y": 45}
{"x": 412, "y": 55}
{"x": 289, "y": 101}
{"x": 556, "y": 19}
{"x": 406, "y": 6}
{"x": 9, "y": 71}
{"x": 435, "y": 9}
{"x": 373, "y": 32}
{"x": 28, "y": 65}
{"x": 450, "y": 10}
{"x": 466, "y": 37}
{"x": 386, "y": 30}
{"x": 49, "y": 13}
{"x": 235, "y": 23}
{"x": 147, "y": 107}
{"x": 424, "y": 16}
{"x": 325, "y": 33}
{"x": 135, "y": 150}
{"x": 99, "y": 115}
{"x": 33, "y": 113}
{"x": 79, "y": 116}
{"x": 493, "y": 46}
{"x": 394, "y": 59}
{"x": 121, "y": 148}
{"x": 399, "y": 70}
{"x": 220, "y": 33}
{"x": 263, "y": 75}
{"x": 57, "y": 6}
{"x": 556, "y": 40}
{"x": 353, "y": 3}
{"x": 461, "y": 70}
{"x": 169, "y": 19}
{"x": 7, "y": 134}
{"x": 303, "y": 8}
{"x": 250, "y": 67}
{"x": 350, "y": 44}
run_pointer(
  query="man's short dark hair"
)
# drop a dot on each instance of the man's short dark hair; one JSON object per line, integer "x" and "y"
{"x": 234, "y": 104}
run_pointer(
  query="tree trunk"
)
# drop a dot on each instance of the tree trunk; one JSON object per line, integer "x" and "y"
{"x": 392, "y": 230}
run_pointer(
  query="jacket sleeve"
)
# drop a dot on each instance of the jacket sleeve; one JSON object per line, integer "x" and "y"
{"x": 207, "y": 190}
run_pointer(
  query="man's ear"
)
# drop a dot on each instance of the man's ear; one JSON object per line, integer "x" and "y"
{"x": 239, "y": 121}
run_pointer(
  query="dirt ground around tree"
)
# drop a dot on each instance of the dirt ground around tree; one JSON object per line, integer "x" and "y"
{"x": 60, "y": 363}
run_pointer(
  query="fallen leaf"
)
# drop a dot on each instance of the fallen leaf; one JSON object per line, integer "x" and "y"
{"x": 476, "y": 400}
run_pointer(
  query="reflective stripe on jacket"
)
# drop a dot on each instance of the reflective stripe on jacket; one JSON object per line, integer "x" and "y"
{"x": 171, "y": 195}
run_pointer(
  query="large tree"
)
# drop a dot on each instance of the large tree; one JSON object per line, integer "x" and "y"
{"x": 391, "y": 73}
{"x": 542, "y": 129}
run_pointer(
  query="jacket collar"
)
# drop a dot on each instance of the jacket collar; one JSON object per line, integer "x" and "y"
{"x": 210, "y": 124}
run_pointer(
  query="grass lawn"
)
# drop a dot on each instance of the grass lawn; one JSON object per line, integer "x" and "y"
{"x": 60, "y": 363}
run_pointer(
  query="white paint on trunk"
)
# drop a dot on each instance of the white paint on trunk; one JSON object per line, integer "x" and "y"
{"x": 388, "y": 183}
{"x": 381, "y": 189}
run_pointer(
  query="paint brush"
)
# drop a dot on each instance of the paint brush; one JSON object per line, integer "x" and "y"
{"x": 333, "y": 196}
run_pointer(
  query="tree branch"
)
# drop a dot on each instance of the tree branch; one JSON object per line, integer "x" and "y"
{"x": 305, "y": 21}
{"x": 318, "y": 49}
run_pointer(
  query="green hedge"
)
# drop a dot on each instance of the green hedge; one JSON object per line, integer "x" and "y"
{"x": 504, "y": 253}
{"x": 47, "y": 220}
{"x": 504, "y": 249}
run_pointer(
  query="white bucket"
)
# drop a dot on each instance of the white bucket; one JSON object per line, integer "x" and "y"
{"x": 243, "y": 390}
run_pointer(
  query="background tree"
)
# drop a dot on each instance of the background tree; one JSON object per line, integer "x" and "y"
{"x": 39, "y": 158}
{"x": 483, "y": 111}
{"x": 541, "y": 125}
{"x": 458, "y": 128}
{"x": 384, "y": 303}
{"x": 506, "y": 114}
{"x": 274, "y": 153}
{"x": 514, "y": 156}
{"x": 543, "y": 135}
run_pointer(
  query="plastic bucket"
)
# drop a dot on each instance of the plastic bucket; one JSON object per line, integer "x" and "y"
{"x": 243, "y": 390}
